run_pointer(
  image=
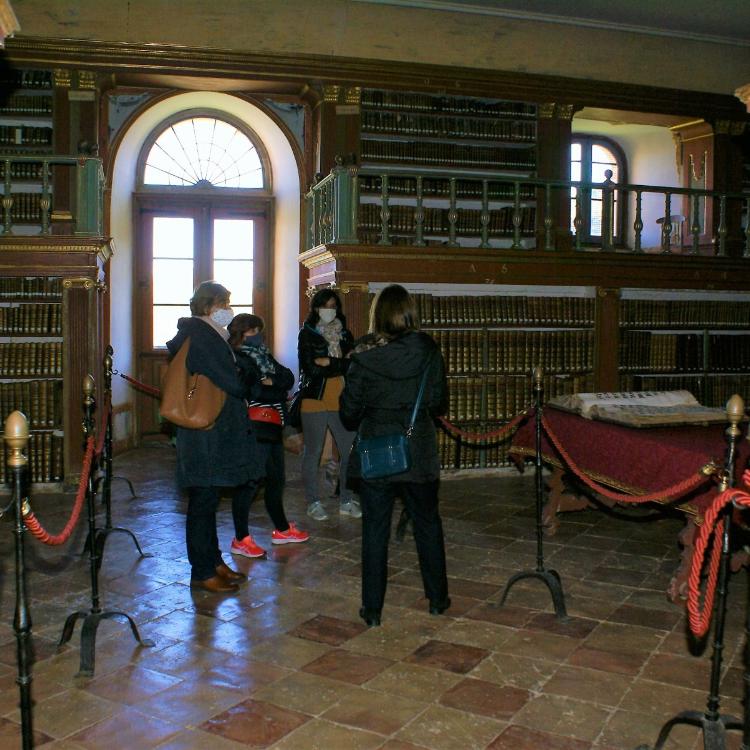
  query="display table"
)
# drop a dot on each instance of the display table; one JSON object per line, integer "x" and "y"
{"x": 629, "y": 460}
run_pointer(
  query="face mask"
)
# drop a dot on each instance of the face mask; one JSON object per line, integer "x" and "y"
{"x": 327, "y": 314}
{"x": 223, "y": 316}
{"x": 255, "y": 340}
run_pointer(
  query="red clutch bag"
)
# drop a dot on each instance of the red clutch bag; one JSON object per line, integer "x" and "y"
{"x": 264, "y": 414}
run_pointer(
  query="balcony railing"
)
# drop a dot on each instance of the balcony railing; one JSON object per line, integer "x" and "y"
{"x": 30, "y": 204}
{"x": 362, "y": 205}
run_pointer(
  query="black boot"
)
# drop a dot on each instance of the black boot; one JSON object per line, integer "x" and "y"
{"x": 437, "y": 608}
{"x": 370, "y": 616}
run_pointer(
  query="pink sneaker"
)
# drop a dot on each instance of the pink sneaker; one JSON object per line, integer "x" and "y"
{"x": 246, "y": 547}
{"x": 292, "y": 535}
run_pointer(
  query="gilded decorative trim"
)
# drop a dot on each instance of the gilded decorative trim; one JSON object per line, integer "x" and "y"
{"x": 86, "y": 80}
{"x": 721, "y": 127}
{"x": 61, "y": 78}
{"x": 737, "y": 128}
{"x": 353, "y": 95}
{"x": 331, "y": 93}
{"x": 546, "y": 111}
{"x": 80, "y": 282}
{"x": 565, "y": 111}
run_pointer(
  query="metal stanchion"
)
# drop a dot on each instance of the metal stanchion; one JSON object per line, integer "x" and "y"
{"x": 550, "y": 577}
{"x": 17, "y": 438}
{"x": 104, "y": 481}
{"x": 95, "y": 615}
{"x": 712, "y": 722}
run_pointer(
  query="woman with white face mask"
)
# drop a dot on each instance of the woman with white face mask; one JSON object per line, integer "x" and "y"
{"x": 323, "y": 345}
{"x": 224, "y": 455}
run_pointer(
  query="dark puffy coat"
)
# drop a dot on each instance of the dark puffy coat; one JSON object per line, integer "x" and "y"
{"x": 310, "y": 346}
{"x": 227, "y": 454}
{"x": 267, "y": 395}
{"x": 380, "y": 391}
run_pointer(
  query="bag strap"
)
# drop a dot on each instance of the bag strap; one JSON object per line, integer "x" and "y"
{"x": 420, "y": 393}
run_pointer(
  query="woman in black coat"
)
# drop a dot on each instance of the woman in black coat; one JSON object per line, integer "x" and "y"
{"x": 323, "y": 346}
{"x": 224, "y": 455}
{"x": 381, "y": 388}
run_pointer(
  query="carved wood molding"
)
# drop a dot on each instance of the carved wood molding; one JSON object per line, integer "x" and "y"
{"x": 8, "y": 22}
{"x": 166, "y": 60}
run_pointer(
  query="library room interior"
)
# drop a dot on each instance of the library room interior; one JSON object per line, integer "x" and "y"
{"x": 457, "y": 451}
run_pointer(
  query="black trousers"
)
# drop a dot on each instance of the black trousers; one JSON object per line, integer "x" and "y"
{"x": 200, "y": 532}
{"x": 421, "y": 500}
{"x": 272, "y": 458}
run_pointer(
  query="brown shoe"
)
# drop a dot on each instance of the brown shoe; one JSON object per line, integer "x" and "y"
{"x": 216, "y": 584}
{"x": 233, "y": 576}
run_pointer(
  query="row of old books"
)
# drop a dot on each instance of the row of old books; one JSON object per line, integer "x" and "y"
{"x": 30, "y": 286}
{"x": 438, "y": 220}
{"x": 26, "y": 207}
{"x": 447, "y": 154}
{"x": 45, "y": 453}
{"x": 25, "y": 135}
{"x": 655, "y": 352}
{"x": 440, "y": 126}
{"x": 440, "y": 187}
{"x": 504, "y": 310}
{"x": 39, "y": 400}
{"x": 26, "y": 79}
{"x": 39, "y": 317}
{"x": 481, "y": 350}
{"x": 29, "y": 359}
{"x": 684, "y": 312}
{"x": 729, "y": 352}
{"x": 429, "y": 103}
{"x": 23, "y": 170}
{"x": 23, "y": 104}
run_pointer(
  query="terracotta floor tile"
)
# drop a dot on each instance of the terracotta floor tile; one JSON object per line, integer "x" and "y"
{"x": 627, "y": 663}
{"x": 515, "y": 617}
{"x": 450, "y": 656}
{"x": 254, "y": 723}
{"x": 649, "y": 618}
{"x": 347, "y": 667}
{"x": 485, "y": 698}
{"x": 523, "y": 738}
{"x": 11, "y": 735}
{"x": 573, "y": 627}
{"x": 678, "y": 670}
{"x": 330, "y": 630}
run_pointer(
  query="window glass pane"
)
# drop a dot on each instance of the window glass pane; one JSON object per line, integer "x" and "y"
{"x": 575, "y": 171}
{"x": 598, "y": 170}
{"x": 173, "y": 237}
{"x": 596, "y": 218}
{"x": 233, "y": 239}
{"x": 172, "y": 281}
{"x": 203, "y": 150}
{"x": 602, "y": 155}
{"x": 165, "y": 323}
{"x": 239, "y": 309}
{"x": 575, "y": 152}
{"x": 237, "y": 276}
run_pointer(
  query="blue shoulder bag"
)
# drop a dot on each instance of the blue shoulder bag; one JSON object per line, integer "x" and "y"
{"x": 388, "y": 455}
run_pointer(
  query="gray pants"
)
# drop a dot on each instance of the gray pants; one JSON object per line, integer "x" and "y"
{"x": 314, "y": 427}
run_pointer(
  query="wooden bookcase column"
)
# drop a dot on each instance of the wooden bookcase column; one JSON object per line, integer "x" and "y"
{"x": 728, "y": 158}
{"x": 607, "y": 339}
{"x": 339, "y": 124}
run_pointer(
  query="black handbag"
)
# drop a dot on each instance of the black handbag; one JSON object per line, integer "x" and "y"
{"x": 389, "y": 455}
{"x": 294, "y": 410}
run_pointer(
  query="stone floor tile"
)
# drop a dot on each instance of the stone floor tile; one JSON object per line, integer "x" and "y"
{"x": 522, "y": 738}
{"x": 413, "y": 682}
{"x": 563, "y": 716}
{"x": 517, "y": 671}
{"x": 374, "y": 711}
{"x": 319, "y": 734}
{"x": 592, "y": 685}
{"x": 441, "y": 728}
{"x": 307, "y": 693}
{"x": 131, "y": 727}
{"x": 450, "y": 656}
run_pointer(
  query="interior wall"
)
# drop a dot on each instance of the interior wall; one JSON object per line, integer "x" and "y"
{"x": 650, "y": 154}
{"x": 286, "y": 239}
{"x": 423, "y": 35}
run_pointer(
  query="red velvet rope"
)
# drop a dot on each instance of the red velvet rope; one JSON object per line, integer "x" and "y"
{"x": 33, "y": 525}
{"x": 141, "y": 386}
{"x": 483, "y": 436}
{"x": 699, "y": 616}
{"x": 669, "y": 493}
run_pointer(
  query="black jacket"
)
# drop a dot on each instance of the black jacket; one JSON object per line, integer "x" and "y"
{"x": 380, "y": 391}
{"x": 310, "y": 346}
{"x": 227, "y": 454}
{"x": 267, "y": 395}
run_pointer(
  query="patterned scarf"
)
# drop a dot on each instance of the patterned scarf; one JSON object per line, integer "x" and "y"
{"x": 331, "y": 332}
{"x": 261, "y": 355}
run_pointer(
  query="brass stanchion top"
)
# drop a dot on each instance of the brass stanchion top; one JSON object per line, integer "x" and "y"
{"x": 88, "y": 385}
{"x": 537, "y": 376}
{"x": 735, "y": 412}
{"x": 16, "y": 438}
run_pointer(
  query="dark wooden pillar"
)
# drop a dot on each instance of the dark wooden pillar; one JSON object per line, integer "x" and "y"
{"x": 553, "y": 163}
{"x": 607, "y": 339}
{"x": 728, "y": 158}
{"x": 339, "y": 124}
{"x": 356, "y": 302}
{"x": 61, "y": 182}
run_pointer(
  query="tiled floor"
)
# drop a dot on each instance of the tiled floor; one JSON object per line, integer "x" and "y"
{"x": 287, "y": 663}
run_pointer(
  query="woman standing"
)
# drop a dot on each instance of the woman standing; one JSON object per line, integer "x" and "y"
{"x": 381, "y": 389}
{"x": 267, "y": 384}
{"x": 224, "y": 455}
{"x": 323, "y": 345}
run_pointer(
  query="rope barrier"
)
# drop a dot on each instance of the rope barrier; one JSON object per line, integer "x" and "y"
{"x": 484, "y": 436}
{"x": 33, "y": 525}
{"x": 141, "y": 386}
{"x": 667, "y": 494}
{"x": 699, "y": 616}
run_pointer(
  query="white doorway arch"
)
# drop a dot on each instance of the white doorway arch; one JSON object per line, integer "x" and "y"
{"x": 285, "y": 239}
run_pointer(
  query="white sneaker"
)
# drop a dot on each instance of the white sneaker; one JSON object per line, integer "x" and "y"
{"x": 350, "y": 508}
{"x": 317, "y": 511}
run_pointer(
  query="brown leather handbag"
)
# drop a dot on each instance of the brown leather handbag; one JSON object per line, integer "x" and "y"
{"x": 190, "y": 401}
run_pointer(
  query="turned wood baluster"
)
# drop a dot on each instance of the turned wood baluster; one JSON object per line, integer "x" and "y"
{"x": 695, "y": 226}
{"x": 638, "y": 224}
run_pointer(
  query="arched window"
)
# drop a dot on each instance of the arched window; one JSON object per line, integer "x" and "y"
{"x": 203, "y": 210}
{"x": 590, "y": 158}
